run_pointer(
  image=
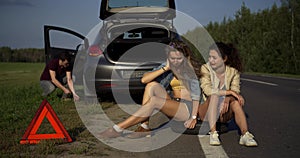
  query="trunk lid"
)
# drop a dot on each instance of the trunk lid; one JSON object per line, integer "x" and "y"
{"x": 128, "y": 9}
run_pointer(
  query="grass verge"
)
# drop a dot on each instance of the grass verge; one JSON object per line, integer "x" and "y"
{"x": 20, "y": 100}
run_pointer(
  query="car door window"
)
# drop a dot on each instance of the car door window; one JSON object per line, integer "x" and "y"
{"x": 59, "y": 39}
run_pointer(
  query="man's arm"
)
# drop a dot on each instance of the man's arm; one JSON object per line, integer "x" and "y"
{"x": 71, "y": 85}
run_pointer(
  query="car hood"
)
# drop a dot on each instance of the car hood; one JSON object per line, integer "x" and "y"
{"x": 155, "y": 9}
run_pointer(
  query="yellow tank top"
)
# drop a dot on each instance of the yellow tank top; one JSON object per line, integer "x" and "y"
{"x": 176, "y": 84}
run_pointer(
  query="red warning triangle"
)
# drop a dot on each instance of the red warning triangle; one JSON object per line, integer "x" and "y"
{"x": 45, "y": 110}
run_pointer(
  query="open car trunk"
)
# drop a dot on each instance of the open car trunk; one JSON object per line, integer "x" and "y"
{"x": 139, "y": 45}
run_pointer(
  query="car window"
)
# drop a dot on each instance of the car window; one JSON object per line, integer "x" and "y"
{"x": 60, "y": 39}
{"x": 137, "y": 3}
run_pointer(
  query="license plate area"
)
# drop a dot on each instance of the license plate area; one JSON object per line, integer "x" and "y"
{"x": 127, "y": 74}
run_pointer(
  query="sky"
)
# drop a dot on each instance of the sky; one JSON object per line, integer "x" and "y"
{"x": 22, "y": 21}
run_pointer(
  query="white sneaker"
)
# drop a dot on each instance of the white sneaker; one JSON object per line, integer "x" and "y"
{"x": 214, "y": 138}
{"x": 247, "y": 140}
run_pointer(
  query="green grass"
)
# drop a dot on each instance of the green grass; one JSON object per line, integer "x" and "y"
{"x": 20, "y": 98}
{"x": 19, "y": 74}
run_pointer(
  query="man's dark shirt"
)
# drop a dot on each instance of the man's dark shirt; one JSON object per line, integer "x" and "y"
{"x": 54, "y": 66}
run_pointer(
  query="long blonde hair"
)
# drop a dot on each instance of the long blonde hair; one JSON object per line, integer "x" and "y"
{"x": 186, "y": 71}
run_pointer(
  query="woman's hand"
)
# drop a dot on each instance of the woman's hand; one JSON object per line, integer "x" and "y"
{"x": 237, "y": 96}
{"x": 190, "y": 123}
{"x": 224, "y": 105}
{"x": 241, "y": 100}
{"x": 167, "y": 67}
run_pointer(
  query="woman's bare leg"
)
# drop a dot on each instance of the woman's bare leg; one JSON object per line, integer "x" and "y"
{"x": 169, "y": 107}
{"x": 203, "y": 109}
{"x": 239, "y": 116}
{"x": 150, "y": 91}
{"x": 209, "y": 111}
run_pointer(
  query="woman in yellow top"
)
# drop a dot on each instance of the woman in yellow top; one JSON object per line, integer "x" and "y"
{"x": 182, "y": 104}
{"x": 220, "y": 83}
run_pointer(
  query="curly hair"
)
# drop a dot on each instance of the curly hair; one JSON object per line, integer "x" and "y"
{"x": 230, "y": 52}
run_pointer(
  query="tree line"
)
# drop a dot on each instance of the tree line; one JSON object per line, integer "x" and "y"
{"x": 268, "y": 40}
{"x": 21, "y": 55}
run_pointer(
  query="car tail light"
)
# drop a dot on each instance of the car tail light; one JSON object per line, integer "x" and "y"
{"x": 94, "y": 51}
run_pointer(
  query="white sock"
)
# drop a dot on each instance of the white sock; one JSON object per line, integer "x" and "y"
{"x": 145, "y": 126}
{"x": 117, "y": 128}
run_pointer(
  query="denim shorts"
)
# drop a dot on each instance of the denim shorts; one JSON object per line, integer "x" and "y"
{"x": 189, "y": 104}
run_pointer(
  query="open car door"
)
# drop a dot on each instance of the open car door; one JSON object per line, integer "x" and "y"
{"x": 58, "y": 40}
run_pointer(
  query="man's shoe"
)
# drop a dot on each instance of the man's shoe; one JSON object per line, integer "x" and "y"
{"x": 139, "y": 133}
{"x": 214, "y": 138}
{"x": 247, "y": 140}
{"x": 110, "y": 133}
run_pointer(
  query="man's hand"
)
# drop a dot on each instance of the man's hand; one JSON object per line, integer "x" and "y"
{"x": 75, "y": 97}
{"x": 66, "y": 91}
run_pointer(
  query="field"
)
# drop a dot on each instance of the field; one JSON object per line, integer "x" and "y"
{"x": 20, "y": 99}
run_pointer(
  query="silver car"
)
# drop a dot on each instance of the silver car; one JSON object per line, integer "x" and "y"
{"x": 130, "y": 42}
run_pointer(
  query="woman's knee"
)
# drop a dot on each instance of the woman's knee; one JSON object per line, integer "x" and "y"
{"x": 156, "y": 102}
{"x": 151, "y": 84}
{"x": 155, "y": 88}
{"x": 149, "y": 87}
{"x": 236, "y": 106}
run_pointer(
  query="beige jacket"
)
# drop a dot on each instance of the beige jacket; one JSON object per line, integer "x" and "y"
{"x": 210, "y": 82}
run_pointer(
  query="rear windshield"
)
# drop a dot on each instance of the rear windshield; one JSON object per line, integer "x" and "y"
{"x": 137, "y": 3}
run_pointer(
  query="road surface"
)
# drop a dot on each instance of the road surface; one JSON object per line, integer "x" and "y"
{"x": 273, "y": 114}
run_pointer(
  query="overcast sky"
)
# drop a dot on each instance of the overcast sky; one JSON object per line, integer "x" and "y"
{"x": 22, "y": 21}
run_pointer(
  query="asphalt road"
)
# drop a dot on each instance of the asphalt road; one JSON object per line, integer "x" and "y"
{"x": 273, "y": 109}
{"x": 273, "y": 114}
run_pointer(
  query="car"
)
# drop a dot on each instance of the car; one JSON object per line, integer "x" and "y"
{"x": 130, "y": 42}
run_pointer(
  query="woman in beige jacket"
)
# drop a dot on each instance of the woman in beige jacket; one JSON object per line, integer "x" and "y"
{"x": 220, "y": 83}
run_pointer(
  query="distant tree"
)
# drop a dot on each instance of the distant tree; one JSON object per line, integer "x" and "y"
{"x": 294, "y": 14}
{"x": 5, "y": 54}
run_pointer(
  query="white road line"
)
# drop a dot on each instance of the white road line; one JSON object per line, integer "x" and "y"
{"x": 261, "y": 82}
{"x": 211, "y": 151}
